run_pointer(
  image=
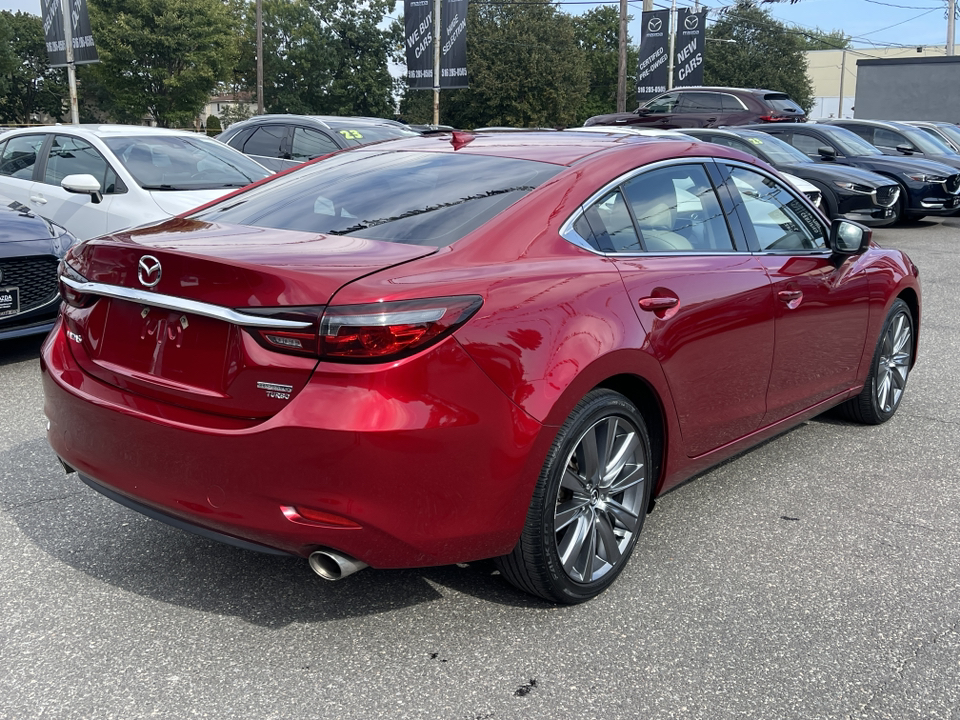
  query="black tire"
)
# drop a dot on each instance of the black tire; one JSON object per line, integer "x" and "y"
{"x": 902, "y": 215}
{"x": 889, "y": 370}
{"x": 600, "y": 511}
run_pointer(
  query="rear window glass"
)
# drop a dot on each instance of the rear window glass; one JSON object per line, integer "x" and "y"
{"x": 781, "y": 102}
{"x": 416, "y": 198}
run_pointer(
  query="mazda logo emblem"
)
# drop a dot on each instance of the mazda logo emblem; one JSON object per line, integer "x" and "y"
{"x": 655, "y": 24}
{"x": 149, "y": 271}
{"x": 691, "y": 22}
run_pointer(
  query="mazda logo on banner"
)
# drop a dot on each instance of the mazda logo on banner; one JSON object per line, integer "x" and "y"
{"x": 654, "y": 55}
{"x": 688, "y": 48}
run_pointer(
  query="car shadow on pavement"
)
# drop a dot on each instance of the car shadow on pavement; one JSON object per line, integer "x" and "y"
{"x": 84, "y": 531}
{"x": 20, "y": 349}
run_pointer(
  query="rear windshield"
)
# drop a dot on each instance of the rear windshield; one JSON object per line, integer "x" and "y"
{"x": 782, "y": 102}
{"x": 416, "y": 198}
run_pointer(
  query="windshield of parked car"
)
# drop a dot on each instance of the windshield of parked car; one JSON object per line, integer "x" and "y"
{"x": 775, "y": 149}
{"x": 172, "y": 162}
{"x": 926, "y": 143}
{"x": 851, "y": 143}
{"x": 418, "y": 198}
{"x": 355, "y": 135}
{"x": 952, "y": 132}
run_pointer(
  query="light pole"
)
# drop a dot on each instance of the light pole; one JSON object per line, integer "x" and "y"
{"x": 259, "y": 57}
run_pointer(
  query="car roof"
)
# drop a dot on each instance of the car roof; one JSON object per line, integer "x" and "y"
{"x": 102, "y": 131}
{"x": 327, "y": 120}
{"x": 560, "y": 148}
{"x": 727, "y": 130}
{"x": 717, "y": 88}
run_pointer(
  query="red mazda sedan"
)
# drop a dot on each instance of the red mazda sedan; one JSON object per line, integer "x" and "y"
{"x": 457, "y": 347}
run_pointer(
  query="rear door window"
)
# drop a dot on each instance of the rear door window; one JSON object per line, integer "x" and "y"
{"x": 309, "y": 144}
{"x": 731, "y": 103}
{"x": 677, "y": 210}
{"x": 19, "y": 156}
{"x": 888, "y": 139}
{"x": 267, "y": 141}
{"x": 663, "y": 104}
{"x": 699, "y": 102}
{"x": 808, "y": 144}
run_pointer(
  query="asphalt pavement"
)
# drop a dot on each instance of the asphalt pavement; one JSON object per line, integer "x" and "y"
{"x": 817, "y": 576}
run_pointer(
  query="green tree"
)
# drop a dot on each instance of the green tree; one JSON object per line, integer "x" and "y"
{"x": 526, "y": 70}
{"x": 323, "y": 56}
{"x": 764, "y": 53}
{"x": 598, "y": 34}
{"x": 28, "y": 85}
{"x": 822, "y": 40}
{"x": 161, "y": 58}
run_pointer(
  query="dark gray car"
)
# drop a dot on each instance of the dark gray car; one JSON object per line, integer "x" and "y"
{"x": 281, "y": 141}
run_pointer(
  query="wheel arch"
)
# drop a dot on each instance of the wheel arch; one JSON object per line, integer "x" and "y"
{"x": 648, "y": 402}
{"x": 910, "y": 297}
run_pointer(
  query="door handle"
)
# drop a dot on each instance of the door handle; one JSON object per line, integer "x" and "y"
{"x": 713, "y": 119}
{"x": 38, "y": 200}
{"x": 790, "y": 296}
{"x": 652, "y": 304}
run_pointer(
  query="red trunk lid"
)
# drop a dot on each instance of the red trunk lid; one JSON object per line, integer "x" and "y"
{"x": 189, "y": 358}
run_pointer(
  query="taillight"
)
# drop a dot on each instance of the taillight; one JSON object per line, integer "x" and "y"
{"x": 378, "y": 332}
{"x": 70, "y": 296}
{"x": 293, "y": 342}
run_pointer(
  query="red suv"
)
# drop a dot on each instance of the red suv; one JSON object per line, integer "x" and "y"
{"x": 708, "y": 107}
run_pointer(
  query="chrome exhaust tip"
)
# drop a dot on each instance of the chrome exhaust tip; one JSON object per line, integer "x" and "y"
{"x": 331, "y": 565}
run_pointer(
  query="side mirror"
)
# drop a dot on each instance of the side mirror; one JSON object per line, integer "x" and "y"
{"x": 849, "y": 238}
{"x": 83, "y": 185}
{"x": 827, "y": 153}
{"x": 906, "y": 149}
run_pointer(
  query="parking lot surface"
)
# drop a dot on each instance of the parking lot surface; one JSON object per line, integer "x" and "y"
{"x": 816, "y": 576}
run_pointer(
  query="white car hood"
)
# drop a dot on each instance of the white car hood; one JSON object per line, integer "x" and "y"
{"x": 174, "y": 202}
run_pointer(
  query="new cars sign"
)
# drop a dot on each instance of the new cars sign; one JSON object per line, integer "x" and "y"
{"x": 652, "y": 64}
{"x": 688, "y": 48}
{"x": 84, "y": 50}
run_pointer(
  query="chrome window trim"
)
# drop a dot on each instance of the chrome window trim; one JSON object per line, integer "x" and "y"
{"x": 171, "y": 302}
{"x": 739, "y": 101}
{"x": 573, "y": 237}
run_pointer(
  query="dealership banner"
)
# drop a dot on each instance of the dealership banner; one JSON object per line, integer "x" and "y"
{"x": 418, "y": 22}
{"x": 453, "y": 51}
{"x": 688, "y": 48}
{"x": 654, "y": 54}
{"x": 84, "y": 50}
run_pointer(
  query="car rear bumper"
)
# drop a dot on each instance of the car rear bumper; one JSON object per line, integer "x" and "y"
{"x": 427, "y": 460}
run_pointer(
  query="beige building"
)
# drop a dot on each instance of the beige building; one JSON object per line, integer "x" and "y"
{"x": 825, "y": 68}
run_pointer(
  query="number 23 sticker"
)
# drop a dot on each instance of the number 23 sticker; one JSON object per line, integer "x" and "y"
{"x": 351, "y": 135}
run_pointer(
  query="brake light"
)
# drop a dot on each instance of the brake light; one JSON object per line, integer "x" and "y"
{"x": 378, "y": 332}
{"x": 777, "y": 118}
{"x": 70, "y": 296}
